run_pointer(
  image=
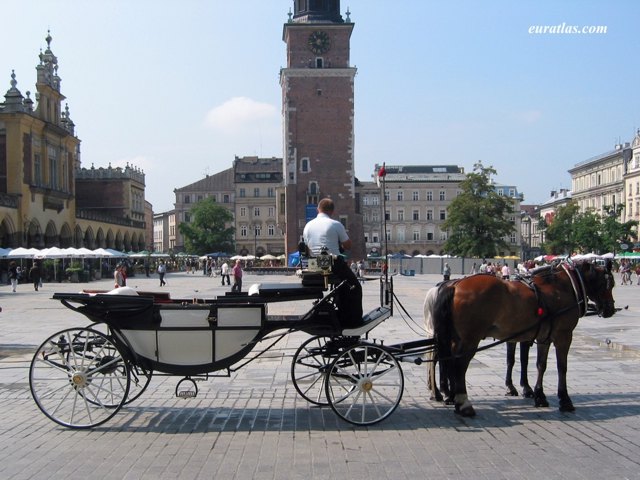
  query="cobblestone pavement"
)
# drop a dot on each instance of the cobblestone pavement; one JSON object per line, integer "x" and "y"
{"x": 254, "y": 425}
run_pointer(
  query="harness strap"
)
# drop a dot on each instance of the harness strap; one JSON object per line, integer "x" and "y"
{"x": 581, "y": 296}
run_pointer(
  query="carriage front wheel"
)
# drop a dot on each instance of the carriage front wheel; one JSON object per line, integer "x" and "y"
{"x": 364, "y": 384}
{"x": 78, "y": 378}
{"x": 309, "y": 369}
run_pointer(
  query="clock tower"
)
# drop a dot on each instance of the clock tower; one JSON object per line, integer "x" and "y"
{"x": 318, "y": 120}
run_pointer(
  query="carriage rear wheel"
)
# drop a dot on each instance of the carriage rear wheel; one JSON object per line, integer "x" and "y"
{"x": 78, "y": 378}
{"x": 309, "y": 368}
{"x": 364, "y": 384}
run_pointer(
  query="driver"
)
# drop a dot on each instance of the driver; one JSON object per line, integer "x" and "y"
{"x": 325, "y": 232}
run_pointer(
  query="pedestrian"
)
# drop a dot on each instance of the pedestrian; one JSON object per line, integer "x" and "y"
{"x": 506, "y": 273}
{"x": 446, "y": 272}
{"x": 237, "y": 277}
{"x": 118, "y": 276}
{"x": 13, "y": 275}
{"x": 224, "y": 273}
{"x": 35, "y": 274}
{"x": 162, "y": 270}
{"x": 361, "y": 269}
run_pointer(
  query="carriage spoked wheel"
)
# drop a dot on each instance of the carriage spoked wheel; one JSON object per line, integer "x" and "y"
{"x": 309, "y": 369}
{"x": 78, "y": 378}
{"x": 140, "y": 376}
{"x": 364, "y": 384}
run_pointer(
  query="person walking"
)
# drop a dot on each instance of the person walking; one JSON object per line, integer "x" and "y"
{"x": 224, "y": 273}
{"x": 162, "y": 270}
{"x": 237, "y": 277}
{"x": 35, "y": 274}
{"x": 13, "y": 275}
{"x": 118, "y": 277}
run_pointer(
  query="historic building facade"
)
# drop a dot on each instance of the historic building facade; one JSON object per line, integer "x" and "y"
{"x": 46, "y": 198}
{"x": 256, "y": 184}
{"x": 410, "y": 214}
{"x": 318, "y": 120}
{"x": 598, "y": 182}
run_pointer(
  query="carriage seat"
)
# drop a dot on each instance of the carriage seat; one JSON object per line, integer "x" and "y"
{"x": 122, "y": 291}
{"x": 284, "y": 292}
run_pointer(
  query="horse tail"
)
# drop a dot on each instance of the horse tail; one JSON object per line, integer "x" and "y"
{"x": 443, "y": 322}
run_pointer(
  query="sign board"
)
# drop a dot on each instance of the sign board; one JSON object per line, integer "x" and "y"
{"x": 311, "y": 212}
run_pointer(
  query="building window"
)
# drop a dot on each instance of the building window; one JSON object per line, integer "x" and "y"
{"x": 365, "y": 200}
{"x": 401, "y": 215}
{"x": 187, "y": 199}
{"x": 37, "y": 170}
{"x": 416, "y": 235}
{"x": 271, "y": 192}
{"x": 243, "y": 231}
{"x": 375, "y": 201}
{"x": 400, "y": 195}
{"x": 187, "y": 217}
{"x": 272, "y": 211}
{"x": 271, "y": 230}
{"x": 415, "y": 196}
{"x": 304, "y": 165}
{"x": 501, "y": 192}
{"x": 243, "y": 211}
{"x": 429, "y": 214}
{"x": 256, "y": 192}
{"x": 416, "y": 215}
{"x": 512, "y": 192}
{"x": 443, "y": 214}
{"x": 225, "y": 198}
{"x": 243, "y": 193}
{"x": 375, "y": 218}
{"x": 256, "y": 211}
{"x": 429, "y": 196}
{"x": 387, "y": 215}
{"x": 430, "y": 236}
{"x": 386, "y": 195}
{"x": 400, "y": 234}
{"x": 443, "y": 195}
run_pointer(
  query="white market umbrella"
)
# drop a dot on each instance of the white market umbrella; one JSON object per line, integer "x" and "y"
{"x": 22, "y": 252}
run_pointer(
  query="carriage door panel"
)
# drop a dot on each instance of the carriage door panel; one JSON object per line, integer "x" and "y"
{"x": 237, "y": 327}
{"x": 185, "y": 347}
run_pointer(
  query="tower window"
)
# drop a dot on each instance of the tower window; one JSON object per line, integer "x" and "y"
{"x": 319, "y": 63}
{"x": 319, "y": 92}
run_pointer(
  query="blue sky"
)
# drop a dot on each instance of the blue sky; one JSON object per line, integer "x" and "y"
{"x": 178, "y": 88}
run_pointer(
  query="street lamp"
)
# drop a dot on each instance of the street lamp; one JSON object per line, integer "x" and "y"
{"x": 255, "y": 240}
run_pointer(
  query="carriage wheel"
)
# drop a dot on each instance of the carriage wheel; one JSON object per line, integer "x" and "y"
{"x": 78, "y": 378}
{"x": 140, "y": 376}
{"x": 364, "y": 384}
{"x": 309, "y": 368}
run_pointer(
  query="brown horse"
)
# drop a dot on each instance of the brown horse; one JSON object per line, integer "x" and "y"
{"x": 545, "y": 309}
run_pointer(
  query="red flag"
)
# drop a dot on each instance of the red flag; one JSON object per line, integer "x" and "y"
{"x": 382, "y": 172}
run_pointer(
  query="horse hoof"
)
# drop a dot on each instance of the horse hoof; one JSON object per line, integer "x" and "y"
{"x": 437, "y": 397}
{"x": 541, "y": 402}
{"x": 511, "y": 391}
{"x": 567, "y": 407}
{"x": 467, "y": 411}
{"x": 527, "y": 392}
{"x": 449, "y": 401}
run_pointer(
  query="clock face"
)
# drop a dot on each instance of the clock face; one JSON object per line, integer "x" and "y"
{"x": 319, "y": 42}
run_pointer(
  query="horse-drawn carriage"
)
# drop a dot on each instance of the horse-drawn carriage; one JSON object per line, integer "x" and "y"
{"x": 81, "y": 377}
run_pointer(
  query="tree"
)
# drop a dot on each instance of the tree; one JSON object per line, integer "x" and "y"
{"x": 478, "y": 218}
{"x": 209, "y": 230}
{"x": 614, "y": 232}
{"x": 572, "y": 231}
{"x": 559, "y": 234}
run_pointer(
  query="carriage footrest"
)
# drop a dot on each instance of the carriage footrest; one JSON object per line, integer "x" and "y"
{"x": 369, "y": 322}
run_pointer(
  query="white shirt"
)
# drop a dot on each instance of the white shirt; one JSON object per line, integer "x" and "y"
{"x": 323, "y": 231}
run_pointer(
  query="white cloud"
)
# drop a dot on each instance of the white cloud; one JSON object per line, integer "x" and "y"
{"x": 239, "y": 115}
{"x": 529, "y": 116}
